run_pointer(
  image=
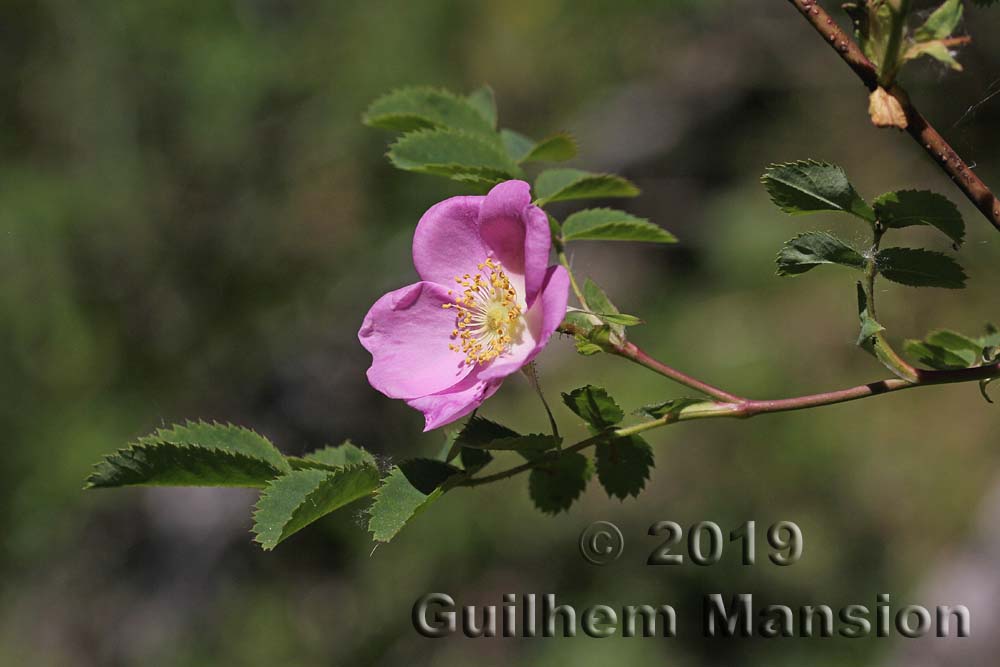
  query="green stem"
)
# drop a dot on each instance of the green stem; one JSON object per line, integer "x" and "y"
{"x": 572, "y": 279}
{"x": 884, "y": 350}
{"x": 890, "y": 60}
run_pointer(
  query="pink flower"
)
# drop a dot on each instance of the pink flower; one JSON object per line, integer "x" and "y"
{"x": 486, "y": 305}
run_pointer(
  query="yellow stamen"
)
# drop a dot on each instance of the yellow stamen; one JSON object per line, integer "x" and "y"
{"x": 488, "y": 316}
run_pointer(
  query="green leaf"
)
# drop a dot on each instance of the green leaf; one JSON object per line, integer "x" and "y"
{"x": 169, "y": 464}
{"x": 452, "y": 154}
{"x": 482, "y": 434}
{"x": 937, "y": 50}
{"x": 906, "y": 208}
{"x": 920, "y": 268}
{"x": 620, "y": 319}
{"x": 397, "y": 502}
{"x": 605, "y": 224}
{"x": 532, "y": 443}
{"x": 956, "y": 342}
{"x": 565, "y": 184}
{"x": 516, "y": 144}
{"x": 601, "y": 306}
{"x": 333, "y": 457}
{"x": 474, "y": 459}
{"x": 427, "y": 108}
{"x": 808, "y": 186}
{"x": 427, "y": 474}
{"x": 807, "y": 251}
{"x": 484, "y": 101}
{"x": 941, "y": 23}
{"x": 945, "y": 350}
{"x": 588, "y": 349}
{"x": 623, "y": 466}
{"x": 554, "y": 486}
{"x": 193, "y": 454}
{"x": 216, "y": 436}
{"x": 293, "y": 501}
{"x": 579, "y": 320}
{"x": 479, "y": 432}
{"x": 556, "y": 148}
{"x": 986, "y": 3}
{"x": 934, "y": 356}
{"x": 594, "y": 406}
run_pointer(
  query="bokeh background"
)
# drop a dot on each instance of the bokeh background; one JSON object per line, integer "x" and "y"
{"x": 193, "y": 223}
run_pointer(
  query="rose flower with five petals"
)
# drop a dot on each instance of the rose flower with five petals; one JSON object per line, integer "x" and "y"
{"x": 486, "y": 305}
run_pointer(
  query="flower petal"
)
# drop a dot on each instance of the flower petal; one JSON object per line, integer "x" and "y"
{"x": 518, "y": 234}
{"x": 447, "y": 406}
{"x": 408, "y": 333}
{"x": 541, "y": 321}
{"x": 446, "y": 243}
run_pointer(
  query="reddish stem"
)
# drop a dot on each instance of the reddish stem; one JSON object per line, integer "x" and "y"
{"x": 917, "y": 126}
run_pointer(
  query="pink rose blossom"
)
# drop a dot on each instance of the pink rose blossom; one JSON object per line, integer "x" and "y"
{"x": 486, "y": 305}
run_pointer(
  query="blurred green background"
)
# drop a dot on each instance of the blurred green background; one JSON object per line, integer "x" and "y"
{"x": 193, "y": 223}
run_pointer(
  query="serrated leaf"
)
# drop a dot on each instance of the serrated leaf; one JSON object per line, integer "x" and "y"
{"x": 808, "y": 186}
{"x": 557, "y": 148}
{"x": 216, "y": 436}
{"x": 484, "y": 101}
{"x": 169, "y": 464}
{"x": 906, "y": 208}
{"x": 293, "y": 501}
{"x": 920, "y": 268}
{"x": 937, "y": 50}
{"x": 419, "y": 108}
{"x": 623, "y": 466}
{"x": 807, "y": 251}
{"x": 564, "y": 184}
{"x": 397, "y": 501}
{"x": 533, "y": 443}
{"x": 554, "y": 486}
{"x": 329, "y": 457}
{"x": 605, "y": 224}
{"x": 941, "y": 23}
{"x": 453, "y": 154}
{"x": 594, "y": 406}
{"x": 192, "y": 454}
{"x": 517, "y": 145}
{"x": 985, "y": 3}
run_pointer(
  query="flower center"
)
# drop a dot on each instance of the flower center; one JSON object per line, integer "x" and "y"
{"x": 488, "y": 316}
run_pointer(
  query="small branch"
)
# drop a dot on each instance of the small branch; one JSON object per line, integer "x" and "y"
{"x": 918, "y": 126}
{"x": 633, "y": 353}
{"x": 572, "y": 279}
{"x": 744, "y": 409}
